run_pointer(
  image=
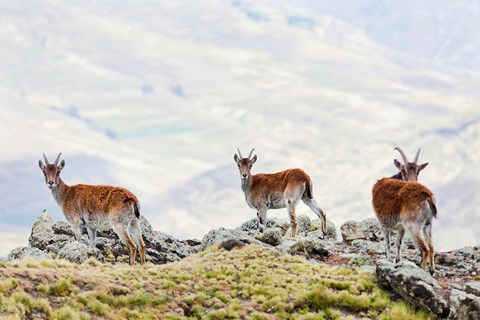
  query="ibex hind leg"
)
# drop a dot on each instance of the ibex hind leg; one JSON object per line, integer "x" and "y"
{"x": 136, "y": 234}
{"x": 313, "y": 205}
{"x": 121, "y": 225}
{"x": 418, "y": 237}
{"x": 427, "y": 232}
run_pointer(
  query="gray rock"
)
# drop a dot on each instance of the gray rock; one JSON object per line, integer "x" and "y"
{"x": 368, "y": 229}
{"x": 464, "y": 306}
{"x": 218, "y": 235}
{"x": 42, "y": 231}
{"x": 165, "y": 242}
{"x": 271, "y": 236}
{"x": 413, "y": 284}
{"x": 317, "y": 232}
{"x": 62, "y": 227}
{"x": 252, "y": 224}
{"x": 366, "y": 246}
{"x": 463, "y": 258}
{"x": 473, "y": 288}
{"x": 78, "y": 252}
{"x": 22, "y": 252}
{"x": 312, "y": 246}
{"x": 304, "y": 223}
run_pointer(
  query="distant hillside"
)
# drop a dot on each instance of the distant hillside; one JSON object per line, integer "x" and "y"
{"x": 247, "y": 282}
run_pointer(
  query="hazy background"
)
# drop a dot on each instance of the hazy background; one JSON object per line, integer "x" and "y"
{"x": 156, "y": 96}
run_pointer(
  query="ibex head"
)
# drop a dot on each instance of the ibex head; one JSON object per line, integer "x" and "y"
{"x": 409, "y": 170}
{"x": 51, "y": 171}
{"x": 244, "y": 164}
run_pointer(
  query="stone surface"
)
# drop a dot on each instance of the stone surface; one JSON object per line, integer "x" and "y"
{"x": 252, "y": 224}
{"x": 473, "y": 288}
{"x": 316, "y": 230}
{"x": 22, "y": 252}
{"x": 413, "y": 284}
{"x": 42, "y": 231}
{"x": 58, "y": 239}
{"x": 464, "y": 306}
{"x": 78, "y": 252}
{"x": 312, "y": 246}
{"x": 271, "y": 236}
{"x": 216, "y": 236}
{"x": 367, "y": 229}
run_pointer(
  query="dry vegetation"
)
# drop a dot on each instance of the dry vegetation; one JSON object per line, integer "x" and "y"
{"x": 252, "y": 282}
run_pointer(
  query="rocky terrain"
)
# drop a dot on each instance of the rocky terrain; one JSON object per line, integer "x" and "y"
{"x": 452, "y": 292}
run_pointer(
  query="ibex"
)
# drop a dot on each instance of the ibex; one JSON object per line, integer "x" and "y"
{"x": 97, "y": 208}
{"x": 401, "y": 205}
{"x": 409, "y": 171}
{"x": 277, "y": 190}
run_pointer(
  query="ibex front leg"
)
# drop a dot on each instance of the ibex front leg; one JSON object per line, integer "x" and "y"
{"x": 262, "y": 219}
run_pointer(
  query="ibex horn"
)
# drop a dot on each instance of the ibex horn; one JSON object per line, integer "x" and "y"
{"x": 239, "y": 153}
{"x": 250, "y": 153}
{"x": 45, "y": 158}
{"x": 416, "y": 156}
{"x": 403, "y": 155}
{"x": 58, "y": 158}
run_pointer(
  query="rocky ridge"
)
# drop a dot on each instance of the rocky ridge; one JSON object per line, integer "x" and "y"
{"x": 453, "y": 292}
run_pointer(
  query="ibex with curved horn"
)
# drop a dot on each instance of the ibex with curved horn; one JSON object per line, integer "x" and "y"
{"x": 277, "y": 190}
{"x": 97, "y": 208}
{"x": 409, "y": 171}
{"x": 401, "y": 203}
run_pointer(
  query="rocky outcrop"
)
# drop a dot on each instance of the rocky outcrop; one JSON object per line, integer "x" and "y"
{"x": 413, "y": 284}
{"x": 49, "y": 239}
{"x": 217, "y": 236}
{"x": 22, "y": 252}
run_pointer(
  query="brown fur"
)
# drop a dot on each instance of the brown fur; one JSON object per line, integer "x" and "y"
{"x": 277, "y": 190}
{"x": 264, "y": 183}
{"x": 402, "y": 205}
{"x": 97, "y": 207}
{"x": 97, "y": 200}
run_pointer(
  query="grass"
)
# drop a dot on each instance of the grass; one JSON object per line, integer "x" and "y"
{"x": 252, "y": 282}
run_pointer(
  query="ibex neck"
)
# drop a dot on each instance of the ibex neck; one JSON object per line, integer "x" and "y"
{"x": 59, "y": 191}
{"x": 246, "y": 185}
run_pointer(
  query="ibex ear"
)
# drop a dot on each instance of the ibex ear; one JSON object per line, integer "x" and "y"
{"x": 41, "y": 165}
{"x": 236, "y": 158}
{"x": 254, "y": 159}
{"x": 422, "y": 166}
{"x": 61, "y": 165}
{"x": 397, "y": 164}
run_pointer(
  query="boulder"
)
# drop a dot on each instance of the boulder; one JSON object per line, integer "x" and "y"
{"x": 311, "y": 246}
{"x": 473, "y": 288}
{"x": 271, "y": 236}
{"x": 218, "y": 235}
{"x": 463, "y": 305}
{"x": 42, "y": 231}
{"x": 317, "y": 232}
{"x": 413, "y": 284}
{"x": 368, "y": 229}
{"x": 78, "y": 252}
{"x": 22, "y": 252}
{"x": 252, "y": 224}
{"x": 58, "y": 239}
